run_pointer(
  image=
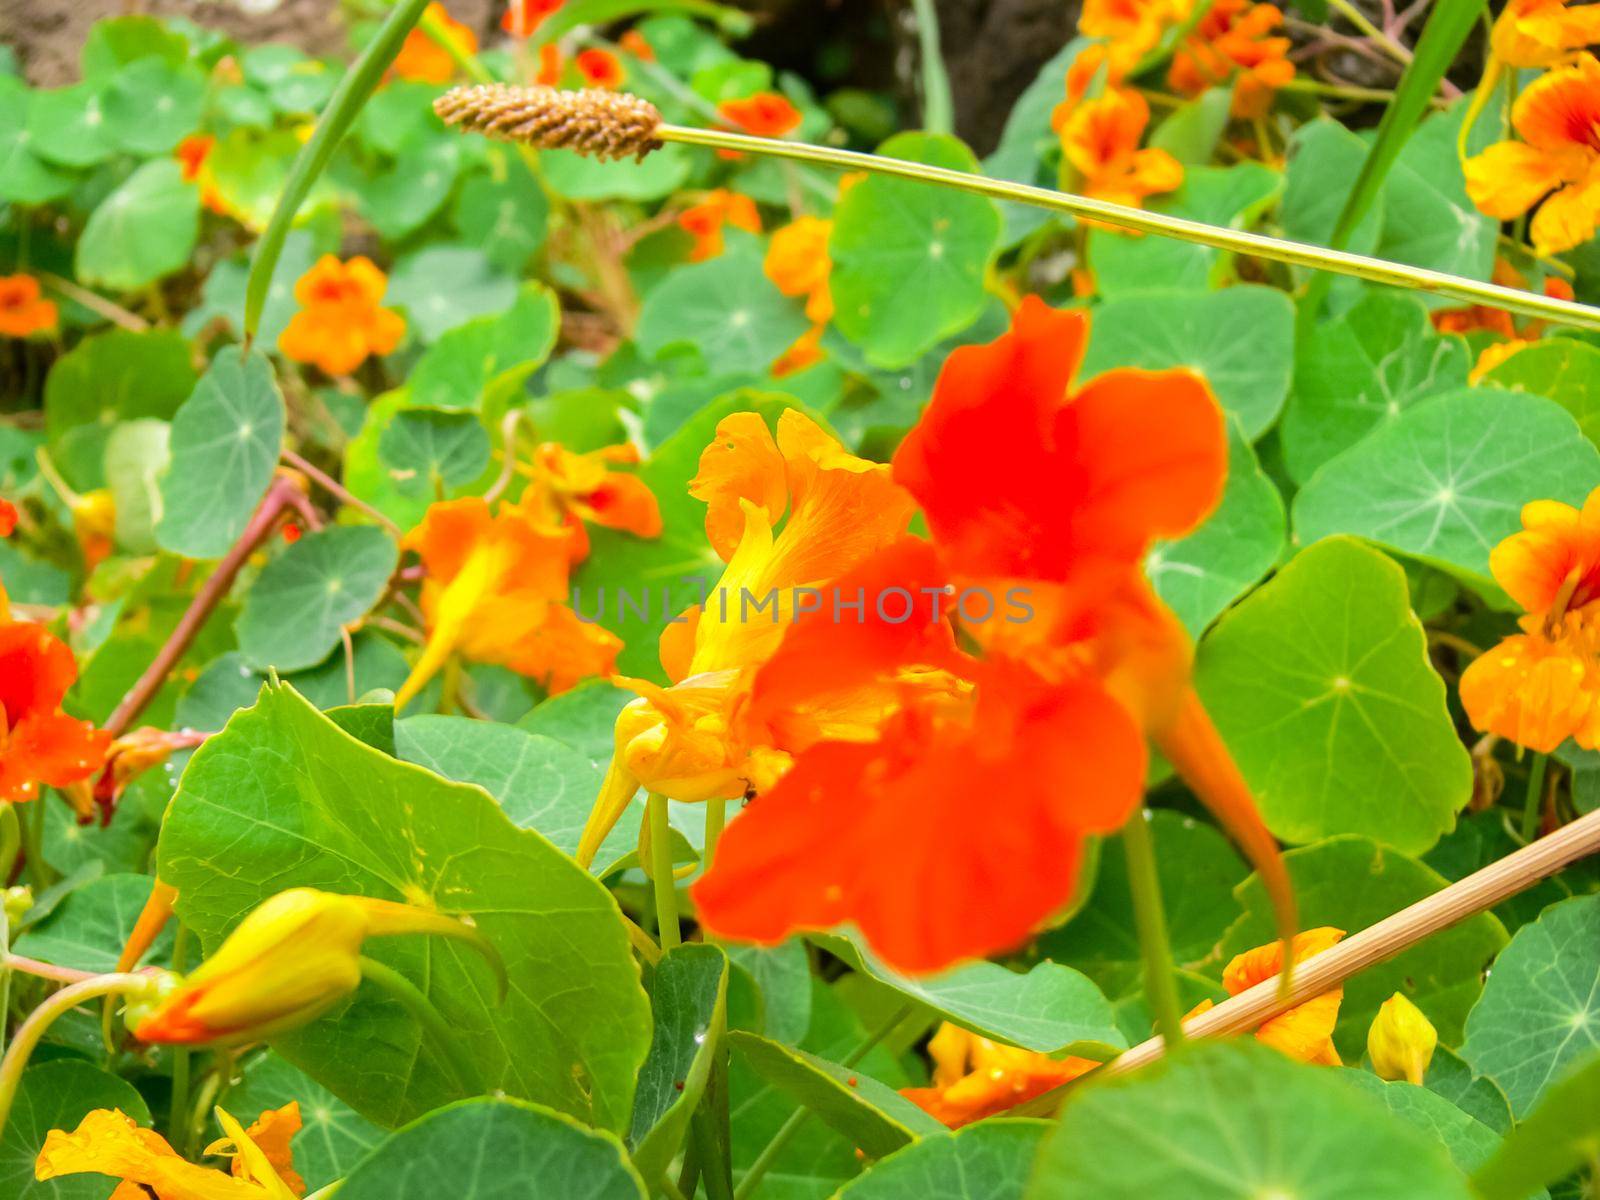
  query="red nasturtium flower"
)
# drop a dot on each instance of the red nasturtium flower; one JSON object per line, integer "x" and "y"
{"x": 567, "y": 490}
{"x": 341, "y": 322}
{"x": 600, "y": 68}
{"x": 1100, "y": 139}
{"x": 1542, "y": 686}
{"x": 974, "y": 1077}
{"x": 496, "y": 591}
{"x": 522, "y": 17}
{"x": 38, "y": 742}
{"x": 109, "y": 1142}
{"x": 8, "y": 518}
{"x": 23, "y": 311}
{"x": 1305, "y": 1031}
{"x": 986, "y": 792}
{"x": 765, "y": 114}
{"x": 1232, "y": 41}
{"x": 704, "y": 221}
{"x": 423, "y": 59}
{"x": 551, "y": 64}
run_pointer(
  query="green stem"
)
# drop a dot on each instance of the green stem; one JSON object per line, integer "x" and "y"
{"x": 716, "y": 817}
{"x": 182, "y": 1056}
{"x": 1160, "y": 983}
{"x": 40, "y": 1020}
{"x": 1236, "y": 241}
{"x": 446, "y": 1041}
{"x": 32, "y": 825}
{"x": 1533, "y": 804}
{"x": 666, "y": 888}
{"x": 1359, "y": 19}
{"x": 10, "y": 842}
{"x": 786, "y": 1131}
{"x": 343, "y": 106}
{"x": 938, "y": 112}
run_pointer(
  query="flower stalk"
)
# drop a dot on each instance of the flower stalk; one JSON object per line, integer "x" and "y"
{"x": 1150, "y": 919}
{"x": 659, "y": 835}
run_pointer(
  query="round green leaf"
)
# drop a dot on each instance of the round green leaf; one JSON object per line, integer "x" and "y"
{"x": 1561, "y": 369}
{"x": 1237, "y": 1121}
{"x": 1428, "y": 219}
{"x": 1467, "y": 1141}
{"x": 57, "y": 1095}
{"x": 483, "y": 364}
{"x": 1446, "y": 480}
{"x": 1321, "y": 686}
{"x": 400, "y": 200}
{"x": 114, "y": 42}
{"x": 579, "y": 177}
{"x": 1324, "y": 157}
{"x": 295, "y": 610}
{"x": 333, "y": 1137}
{"x": 493, "y": 1149}
{"x": 150, "y": 106}
{"x": 505, "y": 217}
{"x": 431, "y": 452}
{"x": 1540, "y": 1010}
{"x": 991, "y": 1160}
{"x": 908, "y": 259}
{"x": 225, "y": 444}
{"x": 726, "y": 308}
{"x": 141, "y": 232}
{"x": 1361, "y": 369}
{"x": 67, "y": 126}
{"x": 1240, "y": 339}
{"x": 228, "y": 684}
{"x": 25, "y": 177}
{"x": 1351, "y": 883}
{"x": 136, "y": 455}
{"x": 88, "y": 930}
{"x": 442, "y": 286}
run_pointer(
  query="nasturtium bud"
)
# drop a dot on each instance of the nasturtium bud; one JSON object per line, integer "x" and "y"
{"x": 1401, "y": 1041}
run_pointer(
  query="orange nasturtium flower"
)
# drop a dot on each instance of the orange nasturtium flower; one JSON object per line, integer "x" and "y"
{"x": 797, "y": 262}
{"x": 1304, "y": 1032}
{"x": 697, "y": 740}
{"x": 974, "y": 1077}
{"x": 522, "y": 17}
{"x": 8, "y": 518}
{"x": 341, "y": 321}
{"x": 635, "y": 44}
{"x": 1130, "y": 28}
{"x": 805, "y": 351}
{"x": 109, "y": 1142}
{"x": 1100, "y": 139}
{"x": 1542, "y": 686}
{"x": 765, "y": 114}
{"x": 1235, "y": 36}
{"x": 986, "y": 790}
{"x": 423, "y": 59}
{"x": 1556, "y": 165}
{"x": 600, "y": 68}
{"x": 496, "y": 591}
{"x": 38, "y": 742}
{"x": 291, "y": 959}
{"x": 192, "y": 154}
{"x": 23, "y": 312}
{"x": 1542, "y": 33}
{"x": 704, "y": 221}
{"x": 567, "y": 490}
{"x": 551, "y": 65}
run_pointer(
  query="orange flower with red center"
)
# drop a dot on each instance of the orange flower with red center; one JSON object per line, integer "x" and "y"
{"x": 600, "y": 68}
{"x": 704, "y": 221}
{"x": 1305, "y": 1032}
{"x": 8, "y": 518}
{"x": 38, "y": 742}
{"x": 568, "y": 489}
{"x": 1233, "y": 41}
{"x": 23, "y": 311}
{"x": 974, "y": 1077}
{"x": 193, "y": 154}
{"x": 797, "y": 262}
{"x": 1542, "y": 686}
{"x": 551, "y": 64}
{"x": 1542, "y": 33}
{"x": 1129, "y": 30}
{"x": 341, "y": 322}
{"x": 765, "y": 114}
{"x": 495, "y": 591}
{"x": 1555, "y": 166}
{"x": 1100, "y": 139}
{"x": 424, "y": 60}
{"x": 1029, "y": 490}
{"x": 522, "y": 17}
{"x": 635, "y": 44}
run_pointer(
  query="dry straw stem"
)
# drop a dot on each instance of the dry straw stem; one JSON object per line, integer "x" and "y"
{"x": 1479, "y": 891}
{"x": 614, "y": 125}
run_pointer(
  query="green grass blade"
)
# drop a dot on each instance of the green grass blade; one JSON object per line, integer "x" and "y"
{"x": 938, "y": 110}
{"x": 358, "y": 84}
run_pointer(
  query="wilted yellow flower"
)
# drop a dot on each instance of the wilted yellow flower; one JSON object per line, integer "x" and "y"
{"x": 1401, "y": 1041}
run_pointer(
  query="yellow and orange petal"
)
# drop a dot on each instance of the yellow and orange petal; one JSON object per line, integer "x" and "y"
{"x": 1234, "y": 41}
{"x": 975, "y": 1077}
{"x": 797, "y": 262}
{"x": 1538, "y": 691}
{"x": 1305, "y": 1032}
{"x": 424, "y": 60}
{"x": 1100, "y": 140}
{"x": 1542, "y": 33}
{"x": 600, "y": 68}
{"x": 765, "y": 114}
{"x": 522, "y": 17}
{"x": 1552, "y": 565}
{"x": 704, "y": 221}
{"x": 23, "y": 311}
{"x": 341, "y": 322}
{"x": 39, "y": 744}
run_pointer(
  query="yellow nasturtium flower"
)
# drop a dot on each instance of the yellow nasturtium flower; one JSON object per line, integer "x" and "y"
{"x": 1304, "y": 1032}
{"x": 287, "y": 962}
{"x": 1401, "y": 1041}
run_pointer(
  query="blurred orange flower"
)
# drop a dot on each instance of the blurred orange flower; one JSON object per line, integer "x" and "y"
{"x": 1556, "y": 165}
{"x": 1541, "y": 33}
{"x": 797, "y": 262}
{"x": 424, "y": 60}
{"x": 109, "y": 1142}
{"x": 1100, "y": 138}
{"x": 495, "y": 591}
{"x": 551, "y": 64}
{"x": 805, "y": 351}
{"x": 340, "y": 322}
{"x": 8, "y": 518}
{"x": 1305, "y": 1032}
{"x": 634, "y": 43}
{"x": 704, "y": 221}
{"x": 1232, "y": 41}
{"x": 522, "y": 17}
{"x": 38, "y": 742}
{"x": 765, "y": 114}
{"x": 567, "y": 489}
{"x": 23, "y": 312}
{"x": 1542, "y": 686}
{"x": 192, "y": 154}
{"x": 974, "y": 1077}
{"x": 600, "y": 68}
